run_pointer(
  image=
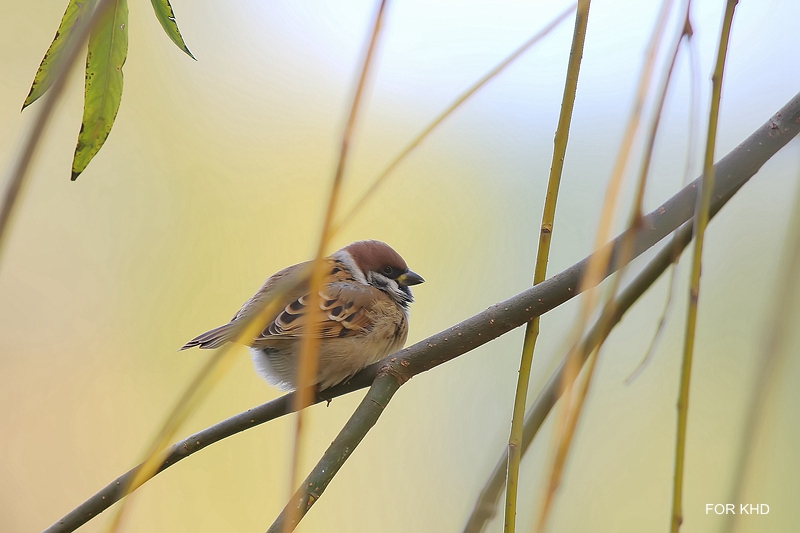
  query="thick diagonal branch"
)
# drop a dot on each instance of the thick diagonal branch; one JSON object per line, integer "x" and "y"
{"x": 732, "y": 172}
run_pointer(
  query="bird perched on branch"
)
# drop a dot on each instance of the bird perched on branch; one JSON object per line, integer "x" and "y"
{"x": 362, "y": 317}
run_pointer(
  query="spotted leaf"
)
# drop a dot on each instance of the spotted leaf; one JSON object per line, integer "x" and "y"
{"x": 166, "y": 17}
{"x": 77, "y": 12}
{"x": 108, "y": 49}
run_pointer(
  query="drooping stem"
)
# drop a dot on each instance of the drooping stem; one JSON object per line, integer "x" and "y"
{"x": 457, "y": 102}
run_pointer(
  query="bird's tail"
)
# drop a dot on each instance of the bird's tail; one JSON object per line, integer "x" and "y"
{"x": 213, "y": 338}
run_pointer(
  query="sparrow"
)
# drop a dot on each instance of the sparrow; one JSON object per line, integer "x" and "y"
{"x": 364, "y": 300}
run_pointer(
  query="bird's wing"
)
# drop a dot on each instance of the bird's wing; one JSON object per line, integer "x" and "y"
{"x": 288, "y": 289}
{"x": 282, "y": 287}
{"x": 343, "y": 312}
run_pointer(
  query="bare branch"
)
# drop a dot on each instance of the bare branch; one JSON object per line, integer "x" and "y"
{"x": 733, "y": 171}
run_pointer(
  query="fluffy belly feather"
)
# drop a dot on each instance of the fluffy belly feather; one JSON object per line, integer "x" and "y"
{"x": 339, "y": 359}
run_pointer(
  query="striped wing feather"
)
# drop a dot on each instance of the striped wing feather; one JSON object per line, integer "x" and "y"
{"x": 342, "y": 314}
{"x": 343, "y": 302}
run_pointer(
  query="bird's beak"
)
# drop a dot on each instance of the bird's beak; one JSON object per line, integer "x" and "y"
{"x": 410, "y": 278}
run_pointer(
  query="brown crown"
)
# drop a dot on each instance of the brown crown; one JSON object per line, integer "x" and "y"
{"x": 374, "y": 255}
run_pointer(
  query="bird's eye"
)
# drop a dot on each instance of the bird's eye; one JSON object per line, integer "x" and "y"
{"x": 387, "y": 270}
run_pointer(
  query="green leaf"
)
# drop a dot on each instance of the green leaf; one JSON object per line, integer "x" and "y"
{"x": 77, "y": 12}
{"x": 108, "y": 48}
{"x": 166, "y": 17}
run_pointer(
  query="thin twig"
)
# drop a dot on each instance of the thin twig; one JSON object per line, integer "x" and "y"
{"x": 694, "y": 99}
{"x": 644, "y": 172}
{"x": 309, "y": 347}
{"x": 733, "y": 171}
{"x": 542, "y": 256}
{"x": 15, "y": 181}
{"x": 701, "y": 217}
{"x": 455, "y": 104}
{"x": 612, "y": 191}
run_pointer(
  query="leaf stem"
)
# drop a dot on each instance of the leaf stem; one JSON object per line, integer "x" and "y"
{"x": 694, "y": 99}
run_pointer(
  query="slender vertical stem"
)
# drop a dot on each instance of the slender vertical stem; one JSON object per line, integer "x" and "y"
{"x": 694, "y": 99}
{"x": 701, "y": 221}
{"x": 542, "y": 256}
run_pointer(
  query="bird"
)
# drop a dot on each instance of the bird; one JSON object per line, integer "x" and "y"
{"x": 364, "y": 303}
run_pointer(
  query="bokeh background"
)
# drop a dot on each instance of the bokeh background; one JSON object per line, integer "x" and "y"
{"x": 214, "y": 177}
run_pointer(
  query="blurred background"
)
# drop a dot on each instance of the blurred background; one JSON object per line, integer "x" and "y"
{"x": 215, "y": 176}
